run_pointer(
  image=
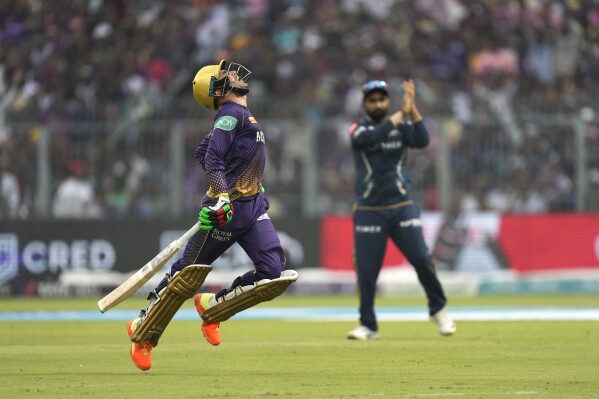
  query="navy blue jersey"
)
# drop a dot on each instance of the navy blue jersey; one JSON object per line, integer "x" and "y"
{"x": 380, "y": 153}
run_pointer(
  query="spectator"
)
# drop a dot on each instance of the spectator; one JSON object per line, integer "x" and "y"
{"x": 10, "y": 192}
{"x": 75, "y": 197}
{"x": 121, "y": 67}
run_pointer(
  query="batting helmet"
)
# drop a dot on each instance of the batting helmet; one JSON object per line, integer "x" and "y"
{"x": 206, "y": 82}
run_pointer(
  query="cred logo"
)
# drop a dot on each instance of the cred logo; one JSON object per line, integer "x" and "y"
{"x": 39, "y": 257}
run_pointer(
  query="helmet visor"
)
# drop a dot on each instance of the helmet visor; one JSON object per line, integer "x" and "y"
{"x": 224, "y": 83}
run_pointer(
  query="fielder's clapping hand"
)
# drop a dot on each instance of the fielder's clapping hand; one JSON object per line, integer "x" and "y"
{"x": 407, "y": 104}
{"x": 216, "y": 215}
{"x": 410, "y": 89}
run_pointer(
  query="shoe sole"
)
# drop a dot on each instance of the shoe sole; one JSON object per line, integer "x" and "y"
{"x": 353, "y": 338}
{"x": 215, "y": 343}
{"x": 448, "y": 333}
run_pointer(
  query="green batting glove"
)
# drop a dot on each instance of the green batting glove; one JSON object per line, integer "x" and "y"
{"x": 216, "y": 215}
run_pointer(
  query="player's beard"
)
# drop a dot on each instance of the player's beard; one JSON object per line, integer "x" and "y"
{"x": 241, "y": 88}
{"x": 240, "y": 84}
{"x": 377, "y": 115}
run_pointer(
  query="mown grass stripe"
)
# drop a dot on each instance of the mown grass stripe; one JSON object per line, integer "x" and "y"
{"x": 330, "y": 314}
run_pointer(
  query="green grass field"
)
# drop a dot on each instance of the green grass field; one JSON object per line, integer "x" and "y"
{"x": 288, "y": 359}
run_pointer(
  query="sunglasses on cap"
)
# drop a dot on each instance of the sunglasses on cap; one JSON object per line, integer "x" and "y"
{"x": 375, "y": 85}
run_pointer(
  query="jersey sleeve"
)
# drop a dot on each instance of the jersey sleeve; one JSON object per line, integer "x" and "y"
{"x": 416, "y": 135}
{"x": 361, "y": 136}
{"x": 200, "y": 152}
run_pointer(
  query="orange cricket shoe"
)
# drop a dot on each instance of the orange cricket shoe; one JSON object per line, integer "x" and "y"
{"x": 141, "y": 354}
{"x": 211, "y": 331}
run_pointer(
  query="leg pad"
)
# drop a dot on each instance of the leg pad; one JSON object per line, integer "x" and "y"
{"x": 245, "y": 297}
{"x": 160, "y": 312}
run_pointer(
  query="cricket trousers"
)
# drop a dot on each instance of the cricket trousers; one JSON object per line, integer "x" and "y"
{"x": 251, "y": 228}
{"x": 372, "y": 229}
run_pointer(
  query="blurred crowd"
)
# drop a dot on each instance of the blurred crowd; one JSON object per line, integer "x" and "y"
{"x": 506, "y": 81}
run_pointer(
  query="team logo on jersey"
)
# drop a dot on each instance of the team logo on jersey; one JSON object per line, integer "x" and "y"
{"x": 252, "y": 119}
{"x": 391, "y": 145}
{"x": 226, "y": 122}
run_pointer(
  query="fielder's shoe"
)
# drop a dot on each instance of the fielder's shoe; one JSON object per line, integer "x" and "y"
{"x": 211, "y": 331}
{"x": 141, "y": 354}
{"x": 445, "y": 324}
{"x": 363, "y": 333}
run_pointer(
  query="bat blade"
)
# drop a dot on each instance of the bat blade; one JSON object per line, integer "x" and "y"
{"x": 137, "y": 280}
{"x": 143, "y": 275}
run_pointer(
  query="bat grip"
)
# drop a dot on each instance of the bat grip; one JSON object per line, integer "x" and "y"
{"x": 185, "y": 237}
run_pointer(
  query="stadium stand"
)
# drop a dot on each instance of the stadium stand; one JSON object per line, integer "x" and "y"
{"x": 107, "y": 83}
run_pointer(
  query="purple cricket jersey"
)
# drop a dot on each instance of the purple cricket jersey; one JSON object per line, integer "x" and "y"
{"x": 233, "y": 154}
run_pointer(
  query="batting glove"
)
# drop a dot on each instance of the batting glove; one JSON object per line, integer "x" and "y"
{"x": 216, "y": 215}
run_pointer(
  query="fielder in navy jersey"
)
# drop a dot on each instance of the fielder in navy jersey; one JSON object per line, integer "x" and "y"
{"x": 383, "y": 207}
{"x": 234, "y": 209}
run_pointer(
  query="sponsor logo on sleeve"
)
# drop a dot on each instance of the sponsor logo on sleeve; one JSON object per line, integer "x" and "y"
{"x": 226, "y": 123}
{"x": 264, "y": 216}
{"x": 411, "y": 223}
{"x": 252, "y": 119}
{"x": 368, "y": 229}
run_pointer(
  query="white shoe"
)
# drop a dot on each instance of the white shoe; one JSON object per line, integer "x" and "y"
{"x": 363, "y": 333}
{"x": 445, "y": 324}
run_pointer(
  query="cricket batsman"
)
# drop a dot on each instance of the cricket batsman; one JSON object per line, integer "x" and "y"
{"x": 234, "y": 210}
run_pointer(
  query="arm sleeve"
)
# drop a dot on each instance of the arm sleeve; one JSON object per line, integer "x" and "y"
{"x": 360, "y": 136}
{"x": 415, "y": 135}
{"x": 200, "y": 152}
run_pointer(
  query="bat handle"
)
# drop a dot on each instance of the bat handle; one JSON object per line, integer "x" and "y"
{"x": 185, "y": 237}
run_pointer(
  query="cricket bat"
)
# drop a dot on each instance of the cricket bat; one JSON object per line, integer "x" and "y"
{"x": 137, "y": 280}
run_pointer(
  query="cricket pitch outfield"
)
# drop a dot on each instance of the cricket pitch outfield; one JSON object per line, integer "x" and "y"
{"x": 302, "y": 359}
